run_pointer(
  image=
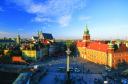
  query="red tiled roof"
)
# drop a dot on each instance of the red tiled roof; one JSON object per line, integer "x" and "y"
{"x": 80, "y": 44}
{"x": 17, "y": 59}
{"x": 98, "y": 46}
{"x": 45, "y": 41}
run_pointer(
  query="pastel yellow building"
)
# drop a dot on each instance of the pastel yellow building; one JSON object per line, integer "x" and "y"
{"x": 5, "y": 52}
{"x": 32, "y": 54}
{"x": 108, "y": 53}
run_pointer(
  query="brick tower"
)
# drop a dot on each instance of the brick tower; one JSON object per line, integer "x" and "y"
{"x": 86, "y": 36}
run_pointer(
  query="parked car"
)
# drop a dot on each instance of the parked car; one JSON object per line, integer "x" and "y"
{"x": 71, "y": 69}
{"x": 76, "y": 70}
{"x": 61, "y": 69}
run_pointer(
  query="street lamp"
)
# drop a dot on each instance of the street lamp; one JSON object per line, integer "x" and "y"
{"x": 68, "y": 69}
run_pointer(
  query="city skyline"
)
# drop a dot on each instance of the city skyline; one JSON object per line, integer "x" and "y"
{"x": 106, "y": 19}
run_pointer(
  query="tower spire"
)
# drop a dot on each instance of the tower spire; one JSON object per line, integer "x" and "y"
{"x": 110, "y": 44}
{"x": 41, "y": 32}
{"x": 38, "y": 33}
{"x": 86, "y": 31}
{"x": 86, "y": 36}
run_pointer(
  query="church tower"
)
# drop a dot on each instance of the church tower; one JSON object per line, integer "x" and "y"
{"x": 40, "y": 35}
{"x": 110, "y": 54}
{"x": 86, "y": 36}
{"x": 110, "y": 47}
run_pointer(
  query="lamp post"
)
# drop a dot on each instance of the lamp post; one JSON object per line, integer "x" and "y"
{"x": 106, "y": 69}
{"x": 68, "y": 69}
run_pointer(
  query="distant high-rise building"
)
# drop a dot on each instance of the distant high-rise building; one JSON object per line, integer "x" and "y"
{"x": 18, "y": 39}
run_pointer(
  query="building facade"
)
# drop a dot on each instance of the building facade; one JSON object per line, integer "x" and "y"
{"x": 107, "y": 53}
{"x": 45, "y": 38}
{"x": 33, "y": 54}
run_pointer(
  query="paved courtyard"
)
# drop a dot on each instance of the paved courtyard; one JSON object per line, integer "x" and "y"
{"x": 82, "y": 71}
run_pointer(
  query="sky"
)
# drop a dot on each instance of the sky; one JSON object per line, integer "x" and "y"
{"x": 65, "y": 19}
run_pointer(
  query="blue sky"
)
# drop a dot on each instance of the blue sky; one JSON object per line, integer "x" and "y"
{"x": 65, "y": 19}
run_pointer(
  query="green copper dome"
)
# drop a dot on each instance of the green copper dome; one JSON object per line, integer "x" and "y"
{"x": 110, "y": 44}
{"x": 86, "y": 31}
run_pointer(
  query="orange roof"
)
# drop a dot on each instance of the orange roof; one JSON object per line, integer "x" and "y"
{"x": 80, "y": 44}
{"x": 98, "y": 46}
{"x": 17, "y": 59}
{"x": 45, "y": 41}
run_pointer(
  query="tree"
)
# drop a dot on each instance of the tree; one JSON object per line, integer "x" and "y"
{"x": 68, "y": 43}
{"x": 14, "y": 53}
{"x": 122, "y": 65}
{"x": 71, "y": 44}
{"x": 73, "y": 49}
{"x": 115, "y": 47}
{"x": 6, "y": 59}
{"x": 1, "y": 52}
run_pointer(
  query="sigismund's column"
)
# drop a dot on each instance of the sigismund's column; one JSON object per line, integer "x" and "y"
{"x": 68, "y": 67}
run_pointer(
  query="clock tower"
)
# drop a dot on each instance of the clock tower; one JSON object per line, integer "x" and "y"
{"x": 86, "y": 36}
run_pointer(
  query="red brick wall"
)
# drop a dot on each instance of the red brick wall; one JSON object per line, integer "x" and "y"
{"x": 120, "y": 56}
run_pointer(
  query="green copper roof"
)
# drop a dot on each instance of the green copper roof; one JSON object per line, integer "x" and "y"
{"x": 110, "y": 44}
{"x": 86, "y": 31}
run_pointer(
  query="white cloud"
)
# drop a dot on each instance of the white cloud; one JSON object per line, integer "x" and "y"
{"x": 20, "y": 29}
{"x": 51, "y": 10}
{"x": 42, "y": 19}
{"x": 3, "y": 33}
{"x": 83, "y": 18}
{"x": 37, "y": 8}
{"x": 54, "y": 7}
{"x": 64, "y": 20}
